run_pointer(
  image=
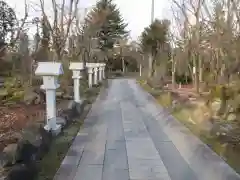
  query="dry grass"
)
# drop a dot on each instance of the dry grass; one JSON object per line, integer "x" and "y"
{"x": 195, "y": 118}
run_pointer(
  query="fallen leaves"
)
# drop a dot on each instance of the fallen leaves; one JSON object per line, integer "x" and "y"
{"x": 13, "y": 120}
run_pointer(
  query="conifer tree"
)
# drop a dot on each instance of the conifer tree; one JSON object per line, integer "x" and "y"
{"x": 108, "y": 23}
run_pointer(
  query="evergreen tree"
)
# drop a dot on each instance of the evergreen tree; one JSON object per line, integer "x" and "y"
{"x": 154, "y": 41}
{"x": 108, "y": 23}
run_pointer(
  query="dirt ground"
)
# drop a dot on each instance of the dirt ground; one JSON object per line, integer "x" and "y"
{"x": 14, "y": 119}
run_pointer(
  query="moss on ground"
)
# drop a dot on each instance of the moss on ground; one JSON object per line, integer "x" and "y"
{"x": 52, "y": 161}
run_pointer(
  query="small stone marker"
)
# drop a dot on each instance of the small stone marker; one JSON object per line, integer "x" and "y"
{"x": 180, "y": 86}
{"x": 50, "y": 72}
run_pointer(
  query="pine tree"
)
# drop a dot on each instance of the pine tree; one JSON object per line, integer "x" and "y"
{"x": 154, "y": 41}
{"x": 108, "y": 23}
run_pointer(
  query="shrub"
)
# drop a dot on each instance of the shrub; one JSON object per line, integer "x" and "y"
{"x": 183, "y": 79}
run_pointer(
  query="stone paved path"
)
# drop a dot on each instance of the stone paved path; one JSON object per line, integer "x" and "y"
{"x": 127, "y": 136}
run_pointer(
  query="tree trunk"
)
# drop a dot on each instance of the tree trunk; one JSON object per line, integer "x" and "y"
{"x": 200, "y": 64}
{"x": 86, "y": 55}
{"x": 150, "y": 65}
{"x": 196, "y": 73}
{"x": 173, "y": 74}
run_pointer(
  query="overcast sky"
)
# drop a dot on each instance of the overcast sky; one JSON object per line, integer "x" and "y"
{"x": 137, "y": 13}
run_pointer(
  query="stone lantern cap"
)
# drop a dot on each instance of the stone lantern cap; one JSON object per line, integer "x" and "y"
{"x": 76, "y": 66}
{"x": 98, "y": 64}
{"x": 91, "y": 65}
{"x": 96, "y": 68}
{"x": 49, "y": 69}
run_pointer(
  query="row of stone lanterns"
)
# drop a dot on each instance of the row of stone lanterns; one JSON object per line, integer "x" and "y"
{"x": 95, "y": 75}
{"x": 50, "y": 71}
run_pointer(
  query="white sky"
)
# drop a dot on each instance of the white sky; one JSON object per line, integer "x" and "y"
{"x": 137, "y": 13}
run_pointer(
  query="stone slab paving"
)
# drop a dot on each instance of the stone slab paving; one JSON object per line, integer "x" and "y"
{"x": 205, "y": 163}
{"x": 128, "y": 136}
{"x": 143, "y": 159}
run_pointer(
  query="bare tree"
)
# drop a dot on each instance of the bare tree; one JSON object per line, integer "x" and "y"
{"x": 61, "y": 23}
